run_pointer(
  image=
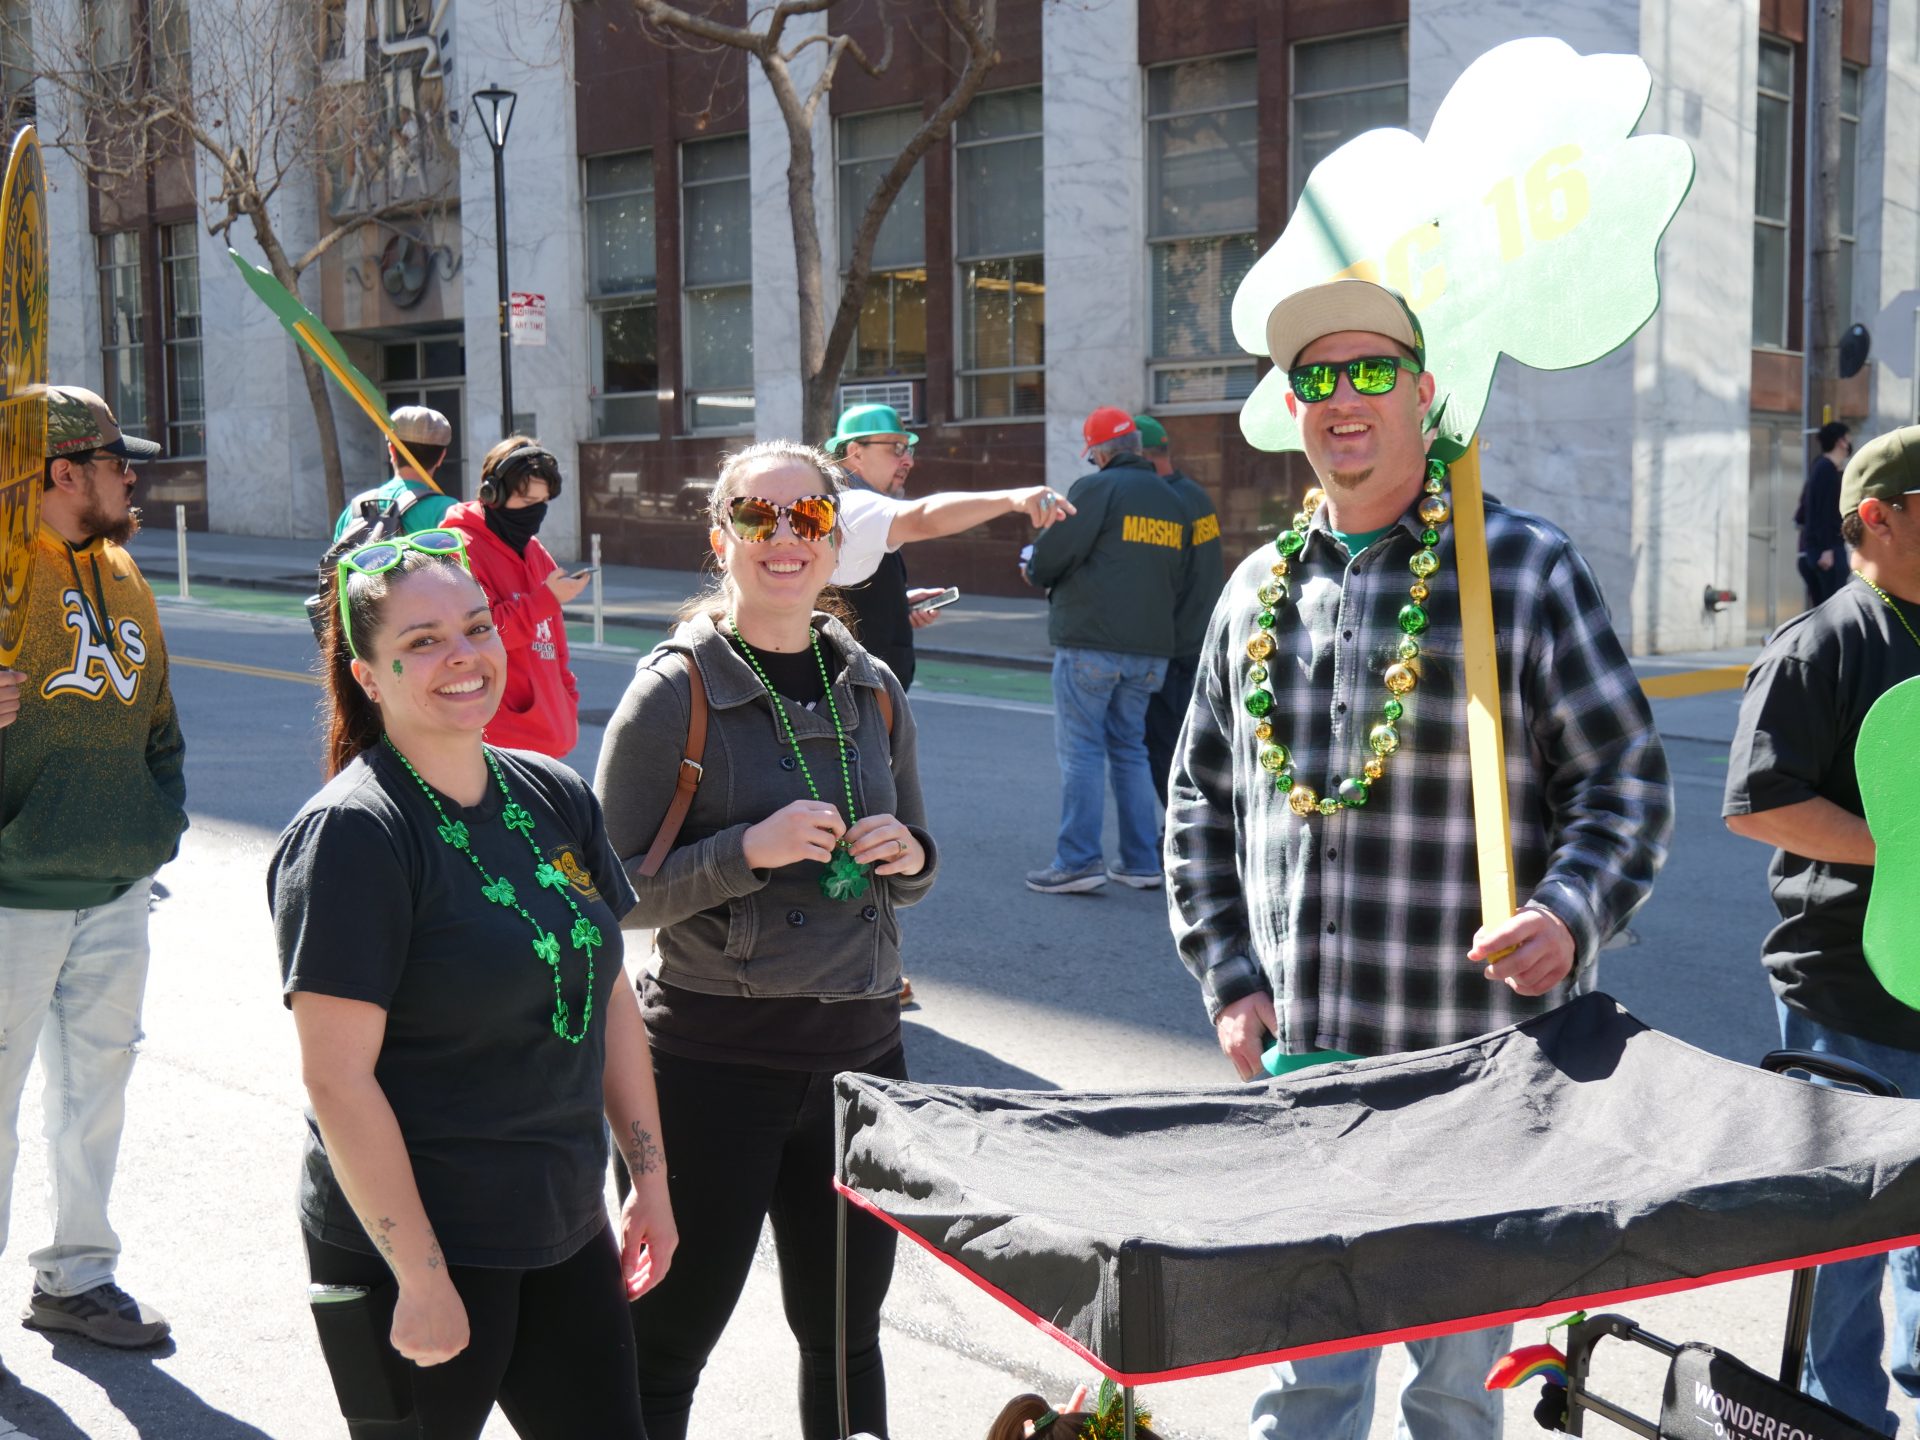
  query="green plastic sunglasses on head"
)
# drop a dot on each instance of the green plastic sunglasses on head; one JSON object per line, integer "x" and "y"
{"x": 1369, "y": 375}
{"x": 382, "y": 555}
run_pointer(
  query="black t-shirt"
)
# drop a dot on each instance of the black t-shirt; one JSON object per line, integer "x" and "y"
{"x": 502, "y": 1118}
{"x": 884, "y": 627}
{"x": 1806, "y": 698}
{"x": 779, "y": 1033}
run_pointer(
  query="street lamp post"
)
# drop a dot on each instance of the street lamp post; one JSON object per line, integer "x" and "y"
{"x": 494, "y": 106}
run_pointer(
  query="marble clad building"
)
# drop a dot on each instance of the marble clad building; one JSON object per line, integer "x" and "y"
{"x": 1076, "y": 242}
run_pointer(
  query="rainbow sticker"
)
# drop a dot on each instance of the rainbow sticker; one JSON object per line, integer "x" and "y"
{"x": 1529, "y": 1362}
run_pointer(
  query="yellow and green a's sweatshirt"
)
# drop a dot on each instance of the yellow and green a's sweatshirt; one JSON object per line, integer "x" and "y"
{"x": 94, "y": 796}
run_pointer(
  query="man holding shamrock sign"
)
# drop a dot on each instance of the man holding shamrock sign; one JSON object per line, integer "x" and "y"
{"x": 1324, "y": 768}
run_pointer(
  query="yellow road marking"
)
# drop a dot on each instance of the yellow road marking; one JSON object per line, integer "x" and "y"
{"x": 235, "y": 669}
{"x": 1694, "y": 682}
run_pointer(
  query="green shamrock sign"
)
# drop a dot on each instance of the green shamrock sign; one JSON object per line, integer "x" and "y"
{"x": 1526, "y": 223}
{"x": 1890, "y": 794}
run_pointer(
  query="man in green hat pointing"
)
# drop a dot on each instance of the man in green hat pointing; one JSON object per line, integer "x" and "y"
{"x": 876, "y": 519}
{"x": 876, "y": 452}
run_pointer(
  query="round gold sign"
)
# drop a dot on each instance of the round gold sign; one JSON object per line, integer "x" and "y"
{"x": 23, "y": 372}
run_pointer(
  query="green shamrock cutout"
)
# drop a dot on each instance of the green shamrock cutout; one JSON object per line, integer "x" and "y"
{"x": 1890, "y": 793}
{"x": 1527, "y": 223}
{"x": 844, "y": 878}
{"x": 454, "y": 832}
{"x": 550, "y": 875}
{"x": 516, "y": 817}
{"x": 586, "y": 934}
{"x": 547, "y": 947}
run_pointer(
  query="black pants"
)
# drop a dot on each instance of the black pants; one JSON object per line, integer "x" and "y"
{"x": 743, "y": 1144}
{"x": 1823, "y": 585}
{"x": 553, "y": 1346}
{"x": 1166, "y": 713}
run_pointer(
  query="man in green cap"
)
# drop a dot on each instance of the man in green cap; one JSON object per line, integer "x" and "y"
{"x": 1206, "y": 577}
{"x": 1791, "y": 784}
{"x": 875, "y": 450}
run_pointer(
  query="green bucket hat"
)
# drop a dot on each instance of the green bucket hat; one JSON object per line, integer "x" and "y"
{"x": 868, "y": 422}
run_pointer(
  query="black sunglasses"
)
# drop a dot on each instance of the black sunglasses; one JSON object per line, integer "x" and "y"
{"x": 1369, "y": 375}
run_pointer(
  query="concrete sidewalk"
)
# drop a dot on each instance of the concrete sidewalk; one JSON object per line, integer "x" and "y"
{"x": 979, "y": 629}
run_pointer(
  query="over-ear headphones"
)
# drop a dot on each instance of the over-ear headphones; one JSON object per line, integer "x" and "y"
{"x": 504, "y": 481}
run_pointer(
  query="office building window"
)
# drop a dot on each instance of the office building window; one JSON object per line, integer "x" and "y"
{"x": 997, "y": 243}
{"x": 717, "y": 284}
{"x": 1202, "y": 183}
{"x": 1772, "y": 193}
{"x": 186, "y": 379}
{"x": 1850, "y": 79}
{"x": 620, "y": 293}
{"x": 891, "y": 338}
{"x": 123, "y": 359}
{"x": 1343, "y": 88}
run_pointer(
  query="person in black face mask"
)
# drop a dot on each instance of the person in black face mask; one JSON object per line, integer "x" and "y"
{"x": 525, "y": 588}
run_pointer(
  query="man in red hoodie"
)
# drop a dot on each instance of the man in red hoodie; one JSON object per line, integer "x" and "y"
{"x": 526, "y": 588}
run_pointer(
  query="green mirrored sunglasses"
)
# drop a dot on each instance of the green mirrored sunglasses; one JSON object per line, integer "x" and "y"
{"x": 1369, "y": 375}
{"x": 382, "y": 555}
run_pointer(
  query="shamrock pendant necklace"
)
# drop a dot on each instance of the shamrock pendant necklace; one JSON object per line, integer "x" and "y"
{"x": 547, "y": 875}
{"x": 845, "y": 877}
{"x": 1400, "y": 677}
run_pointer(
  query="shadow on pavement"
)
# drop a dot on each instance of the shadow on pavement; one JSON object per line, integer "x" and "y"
{"x": 156, "y": 1406}
{"x": 34, "y": 1413}
{"x": 937, "y": 1059}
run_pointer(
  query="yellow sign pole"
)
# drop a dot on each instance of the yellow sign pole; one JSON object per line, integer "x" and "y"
{"x": 1492, "y": 825}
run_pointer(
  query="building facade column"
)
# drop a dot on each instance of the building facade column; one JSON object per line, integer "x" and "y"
{"x": 1095, "y": 205}
{"x": 526, "y": 49}
{"x": 779, "y": 394}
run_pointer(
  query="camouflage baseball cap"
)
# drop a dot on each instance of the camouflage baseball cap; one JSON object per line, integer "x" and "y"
{"x": 78, "y": 419}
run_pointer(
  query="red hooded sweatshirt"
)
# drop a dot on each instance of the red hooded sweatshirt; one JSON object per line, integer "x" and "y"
{"x": 541, "y": 709}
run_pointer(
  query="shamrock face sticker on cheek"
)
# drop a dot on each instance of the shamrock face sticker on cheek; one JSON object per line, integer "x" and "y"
{"x": 396, "y": 666}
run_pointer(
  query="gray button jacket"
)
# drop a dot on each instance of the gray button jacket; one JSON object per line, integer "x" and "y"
{"x": 724, "y": 927}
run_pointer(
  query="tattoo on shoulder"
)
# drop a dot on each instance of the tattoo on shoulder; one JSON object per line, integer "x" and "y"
{"x": 643, "y": 1155}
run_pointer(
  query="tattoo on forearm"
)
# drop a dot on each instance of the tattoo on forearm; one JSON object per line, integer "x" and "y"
{"x": 383, "y": 1240}
{"x": 643, "y": 1156}
{"x": 434, "y": 1258}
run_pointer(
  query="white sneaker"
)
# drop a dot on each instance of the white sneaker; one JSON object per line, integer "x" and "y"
{"x": 1151, "y": 880}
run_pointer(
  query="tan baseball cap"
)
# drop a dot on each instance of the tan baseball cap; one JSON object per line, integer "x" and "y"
{"x": 78, "y": 419}
{"x": 1885, "y": 468}
{"x": 1304, "y": 316}
{"x": 419, "y": 425}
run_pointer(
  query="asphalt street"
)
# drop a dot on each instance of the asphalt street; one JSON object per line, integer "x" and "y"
{"x": 1015, "y": 989}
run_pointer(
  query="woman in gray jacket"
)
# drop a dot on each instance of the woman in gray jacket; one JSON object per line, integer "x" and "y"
{"x": 778, "y": 940}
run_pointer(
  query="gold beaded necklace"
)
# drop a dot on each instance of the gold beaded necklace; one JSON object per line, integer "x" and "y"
{"x": 1400, "y": 677}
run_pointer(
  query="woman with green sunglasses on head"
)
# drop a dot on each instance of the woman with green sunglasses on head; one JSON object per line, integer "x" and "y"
{"x": 775, "y": 903}
{"x": 447, "y": 917}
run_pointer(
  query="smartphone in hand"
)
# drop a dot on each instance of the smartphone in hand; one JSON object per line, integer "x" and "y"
{"x": 935, "y": 602}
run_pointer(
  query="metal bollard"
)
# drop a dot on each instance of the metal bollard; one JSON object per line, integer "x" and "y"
{"x": 180, "y": 538}
{"x": 599, "y": 596}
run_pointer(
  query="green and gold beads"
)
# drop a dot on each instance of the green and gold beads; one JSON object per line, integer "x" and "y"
{"x": 1400, "y": 677}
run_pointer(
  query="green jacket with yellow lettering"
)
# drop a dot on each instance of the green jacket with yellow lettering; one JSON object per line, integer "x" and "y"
{"x": 94, "y": 796}
{"x": 1116, "y": 570}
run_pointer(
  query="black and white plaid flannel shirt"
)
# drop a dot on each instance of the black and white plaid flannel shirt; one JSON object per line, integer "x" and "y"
{"x": 1359, "y": 922}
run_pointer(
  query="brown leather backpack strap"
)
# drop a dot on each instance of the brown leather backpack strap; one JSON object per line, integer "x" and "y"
{"x": 690, "y": 775}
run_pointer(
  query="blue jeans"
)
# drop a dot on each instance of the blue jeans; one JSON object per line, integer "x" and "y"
{"x": 1848, "y": 1337}
{"x": 1330, "y": 1397}
{"x": 1100, "y": 728}
{"x": 72, "y": 981}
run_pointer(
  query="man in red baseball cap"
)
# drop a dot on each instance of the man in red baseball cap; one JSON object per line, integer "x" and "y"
{"x": 1115, "y": 572}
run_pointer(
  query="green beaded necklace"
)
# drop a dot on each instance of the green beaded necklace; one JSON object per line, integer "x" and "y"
{"x": 845, "y": 877}
{"x": 1383, "y": 739}
{"x": 586, "y": 935}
